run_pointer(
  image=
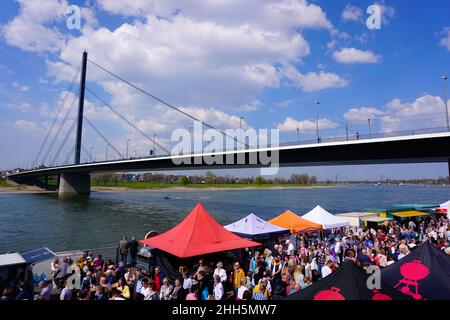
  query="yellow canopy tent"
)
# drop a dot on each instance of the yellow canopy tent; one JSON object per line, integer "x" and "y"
{"x": 409, "y": 214}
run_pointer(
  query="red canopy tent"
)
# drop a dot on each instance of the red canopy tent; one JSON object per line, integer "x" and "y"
{"x": 197, "y": 234}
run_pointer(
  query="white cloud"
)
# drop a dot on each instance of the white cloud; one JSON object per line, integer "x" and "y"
{"x": 20, "y": 106}
{"x": 250, "y": 107}
{"x": 339, "y": 34}
{"x": 279, "y": 15}
{"x": 352, "y": 55}
{"x": 387, "y": 12}
{"x": 192, "y": 62}
{"x": 30, "y": 31}
{"x": 28, "y": 126}
{"x": 424, "y": 112}
{"x": 284, "y": 103}
{"x": 211, "y": 57}
{"x": 312, "y": 81}
{"x": 20, "y": 87}
{"x": 360, "y": 115}
{"x": 305, "y": 126}
{"x": 445, "y": 41}
{"x": 352, "y": 13}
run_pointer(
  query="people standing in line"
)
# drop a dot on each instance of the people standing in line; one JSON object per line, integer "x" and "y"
{"x": 123, "y": 249}
{"x": 138, "y": 277}
{"x": 158, "y": 278}
{"x": 145, "y": 289}
{"x": 187, "y": 283}
{"x": 338, "y": 250}
{"x": 260, "y": 293}
{"x": 46, "y": 291}
{"x": 242, "y": 288}
{"x": 237, "y": 276}
{"x": 218, "y": 290}
{"x": 123, "y": 288}
{"x": 166, "y": 290}
{"x": 279, "y": 289}
{"x": 326, "y": 269}
{"x": 24, "y": 292}
{"x": 134, "y": 249}
{"x": 254, "y": 263}
{"x": 177, "y": 292}
{"x": 66, "y": 293}
{"x": 220, "y": 271}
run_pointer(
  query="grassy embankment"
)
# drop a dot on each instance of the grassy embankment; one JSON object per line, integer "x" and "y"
{"x": 5, "y": 184}
{"x": 155, "y": 185}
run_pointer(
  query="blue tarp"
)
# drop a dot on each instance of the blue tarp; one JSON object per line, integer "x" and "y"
{"x": 38, "y": 255}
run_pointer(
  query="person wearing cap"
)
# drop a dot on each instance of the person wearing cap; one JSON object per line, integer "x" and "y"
{"x": 289, "y": 247}
{"x": 88, "y": 281}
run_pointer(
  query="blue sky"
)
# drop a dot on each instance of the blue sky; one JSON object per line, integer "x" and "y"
{"x": 265, "y": 60}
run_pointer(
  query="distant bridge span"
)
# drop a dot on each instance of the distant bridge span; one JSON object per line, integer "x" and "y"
{"x": 423, "y": 148}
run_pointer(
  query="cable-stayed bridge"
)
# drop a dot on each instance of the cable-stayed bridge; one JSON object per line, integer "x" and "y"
{"x": 412, "y": 146}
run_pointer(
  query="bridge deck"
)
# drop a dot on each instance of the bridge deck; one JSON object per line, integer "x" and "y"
{"x": 423, "y": 148}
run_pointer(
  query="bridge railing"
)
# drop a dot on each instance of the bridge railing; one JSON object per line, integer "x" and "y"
{"x": 351, "y": 137}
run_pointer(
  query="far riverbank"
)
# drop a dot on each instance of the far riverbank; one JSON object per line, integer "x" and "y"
{"x": 17, "y": 189}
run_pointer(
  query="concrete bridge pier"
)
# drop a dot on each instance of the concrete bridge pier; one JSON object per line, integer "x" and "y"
{"x": 74, "y": 184}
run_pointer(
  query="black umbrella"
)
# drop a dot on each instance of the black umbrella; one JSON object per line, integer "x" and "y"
{"x": 422, "y": 274}
{"x": 349, "y": 282}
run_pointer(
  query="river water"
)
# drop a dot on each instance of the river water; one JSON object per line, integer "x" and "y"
{"x": 29, "y": 221}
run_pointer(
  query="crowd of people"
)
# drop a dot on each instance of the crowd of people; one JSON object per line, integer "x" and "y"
{"x": 272, "y": 272}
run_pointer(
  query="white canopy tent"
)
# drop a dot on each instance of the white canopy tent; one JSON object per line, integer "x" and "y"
{"x": 253, "y": 227}
{"x": 327, "y": 220}
{"x": 10, "y": 259}
{"x": 445, "y": 205}
{"x": 356, "y": 219}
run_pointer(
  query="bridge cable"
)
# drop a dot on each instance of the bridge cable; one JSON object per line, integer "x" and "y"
{"x": 66, "y": 116}
{"x": 127, "y": 121}
{"x": 69, "y": 155}
{"x": 60, "y": 108}
{"x": 102, "y": 136}
{"x": 75, "y": 121}
{"x": 166, "y": 103}
{"x": 86, "y": 150}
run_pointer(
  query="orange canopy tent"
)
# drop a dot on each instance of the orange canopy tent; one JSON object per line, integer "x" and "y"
{"x": 197, "y": 234}
{"x": 295, "y": 223}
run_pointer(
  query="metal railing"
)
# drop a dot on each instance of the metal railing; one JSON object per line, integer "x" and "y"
{"x": 106, "y": 252}
{"x": 345, "y": 138}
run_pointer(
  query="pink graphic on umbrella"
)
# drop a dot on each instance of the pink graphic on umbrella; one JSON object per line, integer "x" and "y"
{"x": 412, "y": 273}
{"x": 377, "y": 295}
{"x": 331, "y": 294}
